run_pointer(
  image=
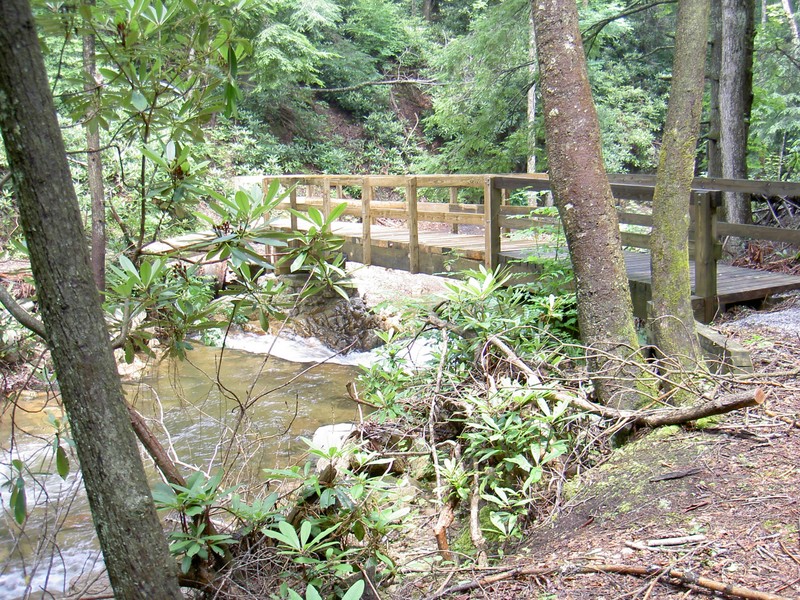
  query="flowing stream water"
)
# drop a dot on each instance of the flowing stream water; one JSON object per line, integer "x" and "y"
{"x": 194, "y": 406}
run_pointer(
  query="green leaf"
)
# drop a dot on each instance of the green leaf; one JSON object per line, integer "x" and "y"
{"x": 155, "y": 158}
{"x": 18, "y": 501}
{"x": 62, "y": 462}
{"x": 139, "y": 101}
{"x": 312, "y": 593}
{"x": 355, "y": 592}
{"x": 186, "y": 563}
{"x": 298, "y": 262}
{"x": 521, "y": 462}
{"x": 337, "y": 212}
{"x": 305, "y": 532}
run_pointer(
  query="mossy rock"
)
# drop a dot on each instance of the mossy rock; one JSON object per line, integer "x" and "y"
{"x": 628, "y": 488}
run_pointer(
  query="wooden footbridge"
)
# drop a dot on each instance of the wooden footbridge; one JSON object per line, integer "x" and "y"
{"x": 418, "y": 235}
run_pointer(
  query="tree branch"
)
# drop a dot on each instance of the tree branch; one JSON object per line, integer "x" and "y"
{"x": 590, "y": 33}
{"x": 119, "y": 341}
{"x": 363, "y": 84}
{"x": 34, "y": 325}
{"x": 22, "y": 316}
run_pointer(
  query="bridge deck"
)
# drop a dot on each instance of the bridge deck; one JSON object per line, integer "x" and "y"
{"x": 442, "y": 251}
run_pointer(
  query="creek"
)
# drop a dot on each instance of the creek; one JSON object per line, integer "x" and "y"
{"x": 193, "y": 406}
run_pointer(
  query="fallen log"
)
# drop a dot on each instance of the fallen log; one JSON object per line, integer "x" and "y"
{"x": 679, "y": 576}
{"x": 648, "y": 418}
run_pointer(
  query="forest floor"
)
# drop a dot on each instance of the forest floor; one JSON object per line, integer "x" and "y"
{"x": 729, "y": 491}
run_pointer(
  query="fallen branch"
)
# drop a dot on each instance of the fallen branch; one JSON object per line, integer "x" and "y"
{"x": 683, "y": 577}
{"x": 476, "y": 535}
{"x": 686, "y": 577}
{"x": 651, "y": 418}
{"x": 154, "y": 449}
{"x": 446, "y": 518}
{"x": 788, "y": 420}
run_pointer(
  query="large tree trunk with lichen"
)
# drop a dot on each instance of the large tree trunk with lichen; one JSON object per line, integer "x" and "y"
{"x": 673, "y": 319}
{"x": 736, "y": 99}
{"x": 135, "y": 550}
{"x": 583, "y": 196}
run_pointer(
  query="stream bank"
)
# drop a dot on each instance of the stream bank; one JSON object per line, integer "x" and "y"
{"x": 718, "y": 500}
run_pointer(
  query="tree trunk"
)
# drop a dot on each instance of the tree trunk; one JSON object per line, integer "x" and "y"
{"x": 673, "y": 319}
{"x": 532, "y": 97}
{"x": 428, "y": 9}
{"x": 135, "y": 550}
{"x": 94, "y": 160}
{"x": 735, "y": 99}
{"x": 714, "y": 152}
{"x": 789, "y": 10}
{"x": 583, "y": 196}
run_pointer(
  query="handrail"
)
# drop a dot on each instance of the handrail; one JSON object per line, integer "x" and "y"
{"x": 495, "y": 215}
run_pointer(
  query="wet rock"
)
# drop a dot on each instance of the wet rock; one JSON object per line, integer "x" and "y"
{"x": 341, "y": 324}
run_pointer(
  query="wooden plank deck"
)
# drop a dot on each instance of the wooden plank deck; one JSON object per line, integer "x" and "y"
{"x": 442, "y": 252}
{"x": 734, "y": 284}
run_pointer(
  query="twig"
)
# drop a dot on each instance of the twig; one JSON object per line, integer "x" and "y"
{"x": 793, "y": 422}
{"x": 677, "y": 541}
{"x": 353, "y": 393}
{"x": 665, "y": 544}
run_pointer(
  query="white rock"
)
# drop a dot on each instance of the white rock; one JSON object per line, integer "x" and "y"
{"x": 332, "y": 436}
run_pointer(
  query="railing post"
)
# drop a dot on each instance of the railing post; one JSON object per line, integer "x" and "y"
{"x": 326, "y": 196}
{"x": 366, "y": 221}
{"x": 705, "y": 253}
{"x": 413, "y": 224}
{"x": 492, "y": 198}
{"x": 453, "y": 203}
{"x": 506, "y": 198}
{"x": 292, "y": 183}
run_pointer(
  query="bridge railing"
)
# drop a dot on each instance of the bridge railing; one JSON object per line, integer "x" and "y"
{"x": 495, "y": 215}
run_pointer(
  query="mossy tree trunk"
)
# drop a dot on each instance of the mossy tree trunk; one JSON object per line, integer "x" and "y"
{"x": 583, "y": 196}
{"x": 673, "y": 319}
{"x": 135, "y": 550}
